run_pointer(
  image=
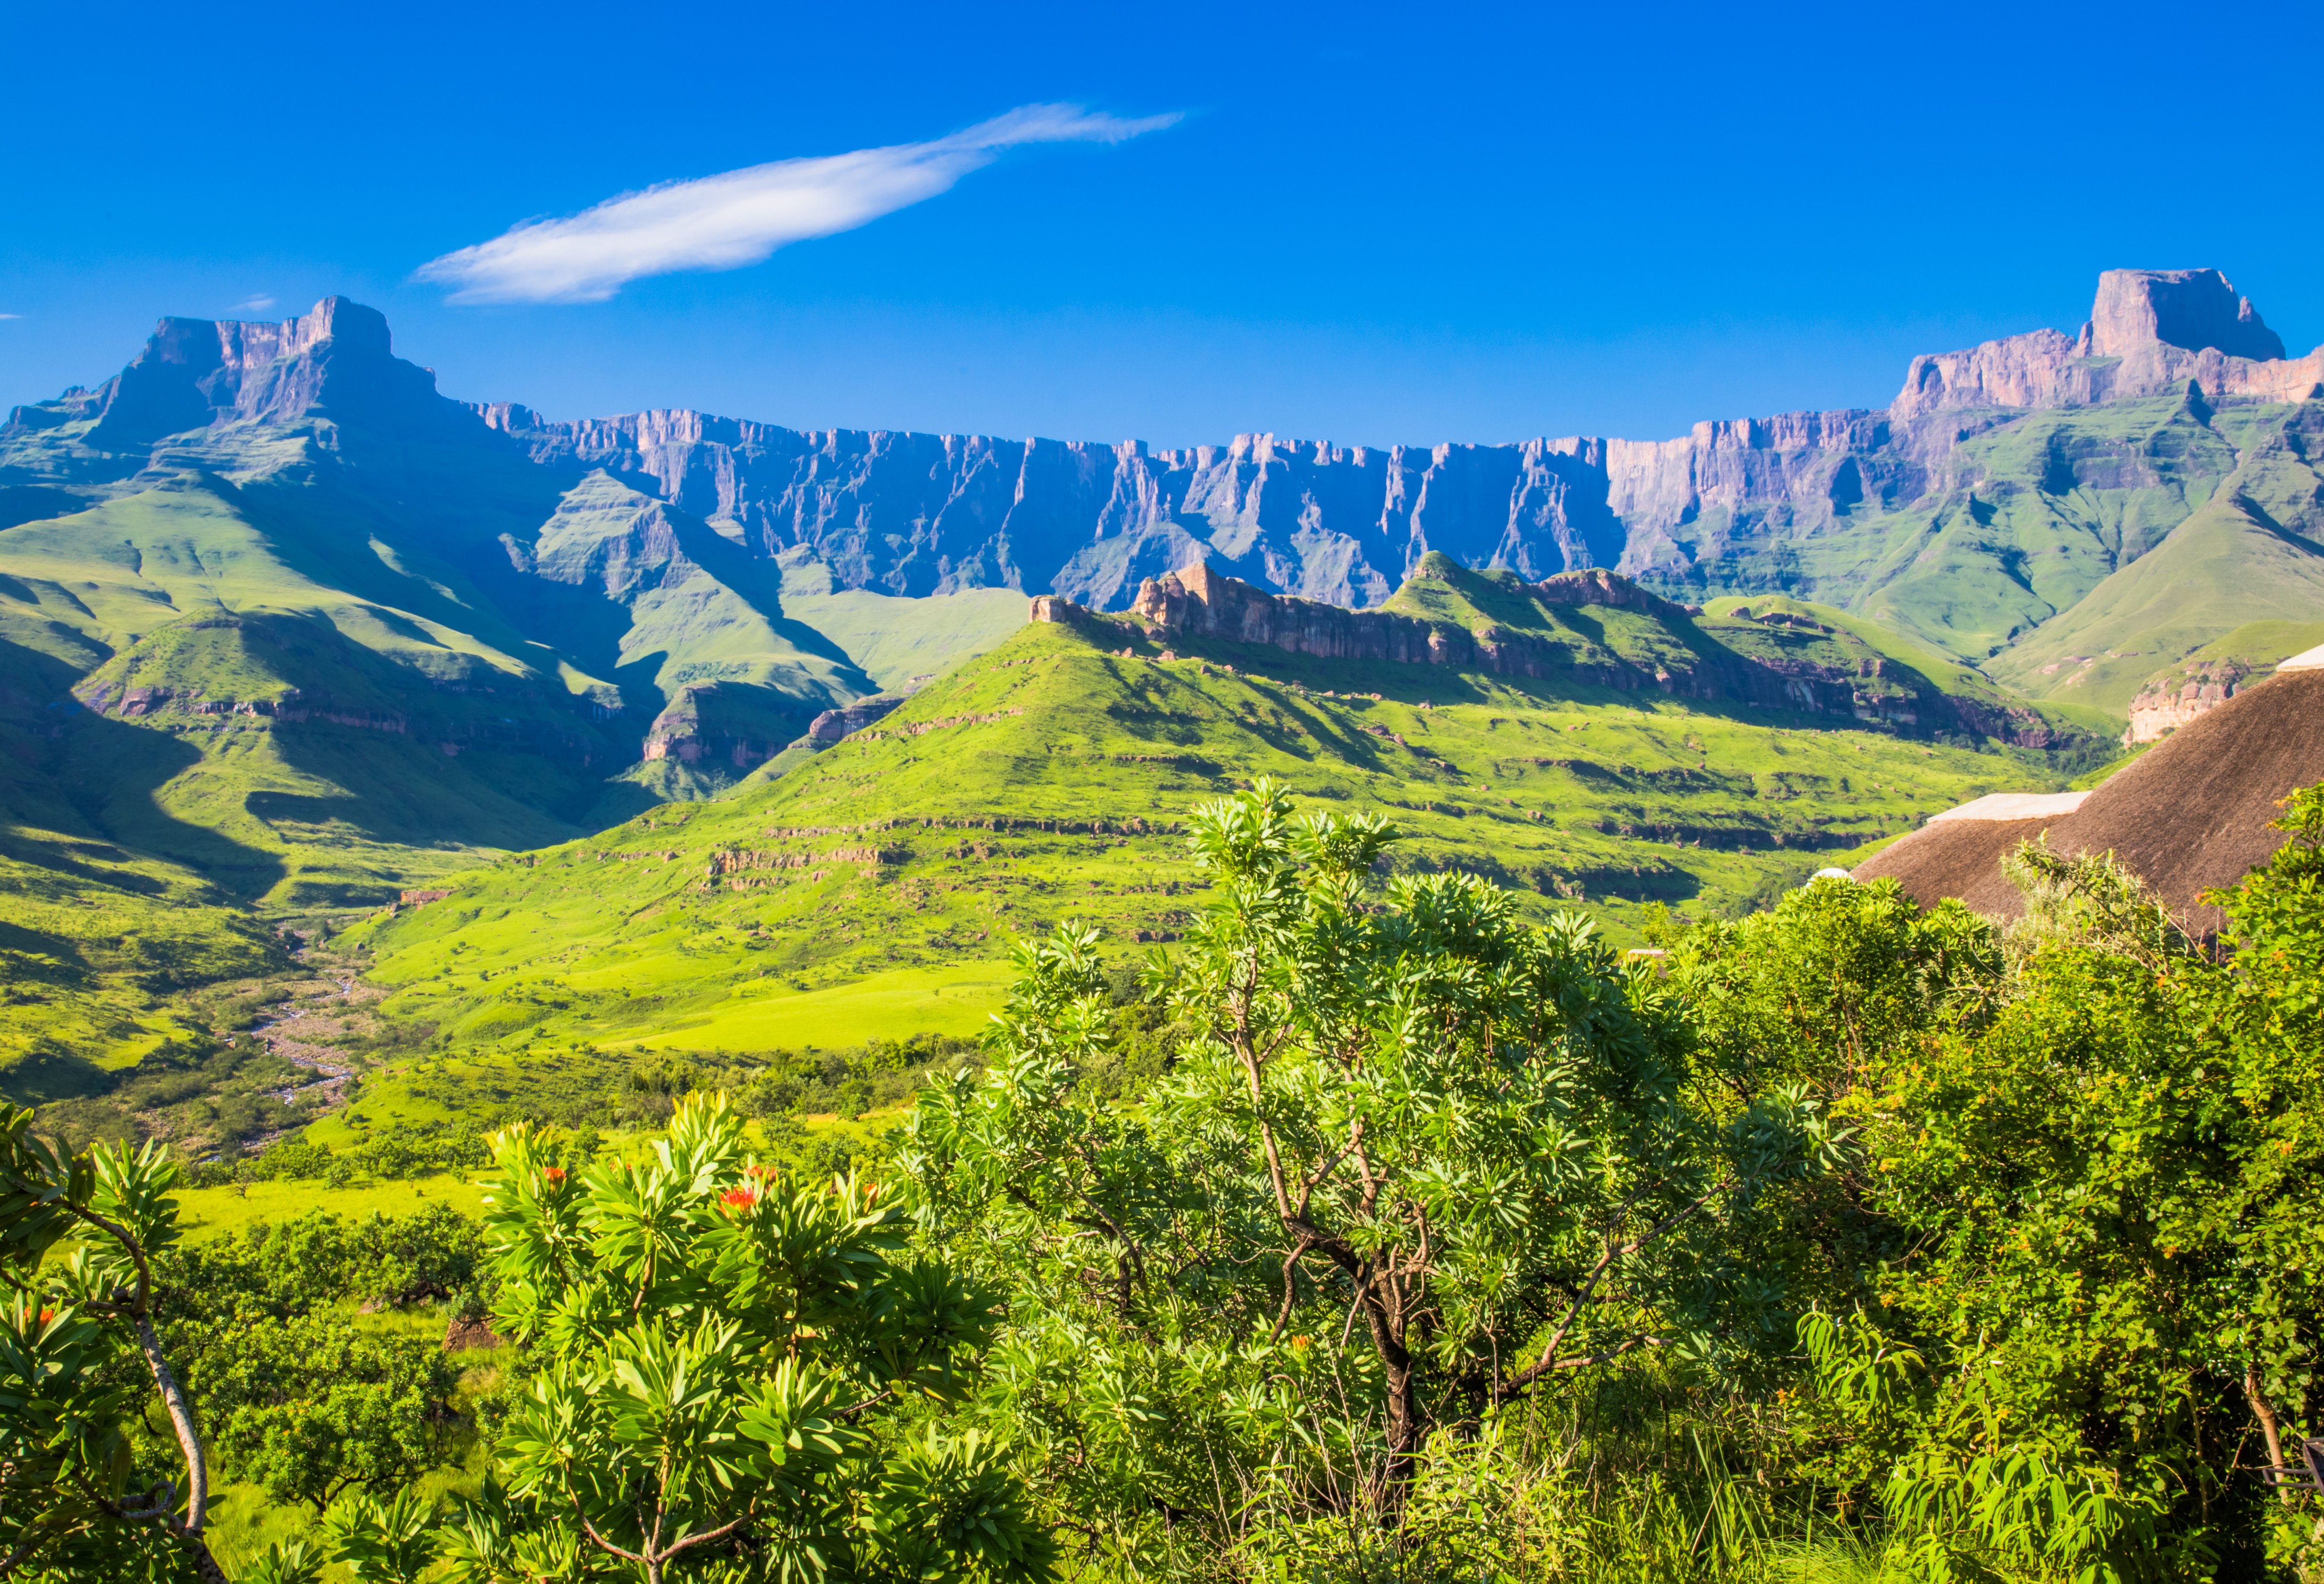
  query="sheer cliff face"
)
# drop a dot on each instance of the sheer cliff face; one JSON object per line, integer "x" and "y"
{"x": 1723, "y": 508}
{"x": 2150, "y": 331}
{"x": 1811, "y": 502}
{"x": 919, "y": 514}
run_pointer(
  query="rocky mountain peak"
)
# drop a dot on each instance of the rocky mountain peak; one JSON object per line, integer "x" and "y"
{"x": 2151, "y": 332}
{"x": 2187, "y": 308}
{"x": 198, "y": 374}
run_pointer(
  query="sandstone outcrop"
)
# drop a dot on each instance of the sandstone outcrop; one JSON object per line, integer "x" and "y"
{"x": 2177, "y": 696}
{"x": 834, "y": 725}
{"x": 1200, "y": 602}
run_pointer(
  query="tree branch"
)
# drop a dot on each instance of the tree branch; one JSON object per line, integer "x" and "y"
{"x": 181, "y": 1413}
{"x": 720, "y": 1533}
{"x": 1290, "y": 1270}
{"x": 1524, "y": 1378}
{"x": 603, "y": 1543}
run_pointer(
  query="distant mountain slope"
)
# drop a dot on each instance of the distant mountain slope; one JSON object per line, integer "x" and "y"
{"x": 376, "y": 638}
{"x": 2253, "y": 552}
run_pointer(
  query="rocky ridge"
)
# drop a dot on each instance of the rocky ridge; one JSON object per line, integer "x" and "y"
{"x": 912, "y": 514}
{"x": 2174, "y": 699}
{"x": 1682, "y": 655}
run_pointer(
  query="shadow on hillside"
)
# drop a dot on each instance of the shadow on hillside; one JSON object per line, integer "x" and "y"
{"x": 47, "y": 1075}
{"x": 393, "y": 789}
{"x": 108, "y": 774}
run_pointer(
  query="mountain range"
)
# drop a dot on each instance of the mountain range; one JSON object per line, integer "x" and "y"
{"x": 286, "y": 632}
{"x": 271, "y": 605}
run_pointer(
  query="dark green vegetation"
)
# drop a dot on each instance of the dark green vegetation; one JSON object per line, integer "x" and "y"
{"x": 1845, "y": 1241}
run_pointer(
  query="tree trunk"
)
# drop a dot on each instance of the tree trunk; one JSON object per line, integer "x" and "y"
{"x": 2265, "y": 1412}
{"x": 182, "y": 1419}
{"x": 1404, "y": 1426}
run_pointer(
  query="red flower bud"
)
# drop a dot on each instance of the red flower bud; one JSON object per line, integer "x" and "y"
{"x": 47, "y": 1315}
{"x": 555, "y": 1176}
{"x": 738, "y": 1198}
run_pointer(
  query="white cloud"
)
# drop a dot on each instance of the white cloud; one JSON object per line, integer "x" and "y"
{"x": 11, "y": 316}
{"x": 254, "y": 305}
{"x": 724, "y": 222}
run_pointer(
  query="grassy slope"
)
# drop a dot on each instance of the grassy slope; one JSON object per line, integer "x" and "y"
{"x": 898, "y": 641}
{"x": 834, "y": 905}
{"x": 2261, "y": 644}
{"x": 2026, "y": 516}
{"x": 93, "y": 942}
{"x": 1875, "y": 662}
{"x": 96, "y": 936}
{"x": 2048, "y": 506}
{"x": 2219, "y": 570}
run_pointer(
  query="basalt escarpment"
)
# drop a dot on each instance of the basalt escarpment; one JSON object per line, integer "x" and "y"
{"x": 1719, "y": 507}
{"x": 2150, "y": 332}
{"x": 1797, "y": 665}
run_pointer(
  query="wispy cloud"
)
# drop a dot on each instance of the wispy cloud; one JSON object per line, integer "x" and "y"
{"x": 11, "y": 316}
{"x": 254, "y": 305}
{"x": 724, "y": 222}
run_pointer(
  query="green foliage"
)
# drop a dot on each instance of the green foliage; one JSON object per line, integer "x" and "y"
{"x": 292, "y": 1267}
{"x": 1379, "y": 1230}
{"x": 1469, "y": 1143}
{"x": 383, "y": 1541}
{"x": 291, "y": 1562}
{"x": 730, "y": 1363}
{"x": 308, "y": 1406}
{"x": 78, "y": 1353}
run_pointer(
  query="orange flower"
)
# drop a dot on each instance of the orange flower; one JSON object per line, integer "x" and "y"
{"x": 738, "y": 1198}
{"x": 555, "y": 1176}
{"x": 1299, "y": 1344}
{"x": 47, "y": 1315}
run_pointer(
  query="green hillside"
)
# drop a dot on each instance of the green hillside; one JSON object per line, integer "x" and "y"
{"x": 2223, "y": 568}
{"x": 873, "y": 889}
{"x": 1980, "y": 553}
{"x": 2259, "y": 646}
{"x": 897, "y": 642}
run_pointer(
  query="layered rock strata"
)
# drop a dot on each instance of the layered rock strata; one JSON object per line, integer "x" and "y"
{"x": 1200, "y": 603}
{"x": 2177, "y": 697}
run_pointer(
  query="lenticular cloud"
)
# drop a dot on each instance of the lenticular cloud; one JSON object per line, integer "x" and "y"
{"x": 724, "y": 222}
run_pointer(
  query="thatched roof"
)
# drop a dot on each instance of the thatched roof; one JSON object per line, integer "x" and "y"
{"x": 2189, "y": 813}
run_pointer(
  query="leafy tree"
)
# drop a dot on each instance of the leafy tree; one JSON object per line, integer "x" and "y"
{"x": 731, "y": 1370}
{"x": 78, "y": 1352}
{"x": 1410, "y": 1122}
{"x": 309, "y": 1406}
{"x": 2086, "y": 1220}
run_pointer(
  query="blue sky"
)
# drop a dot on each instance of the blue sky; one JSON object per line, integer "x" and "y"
{"x": 1366, "y": 223}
